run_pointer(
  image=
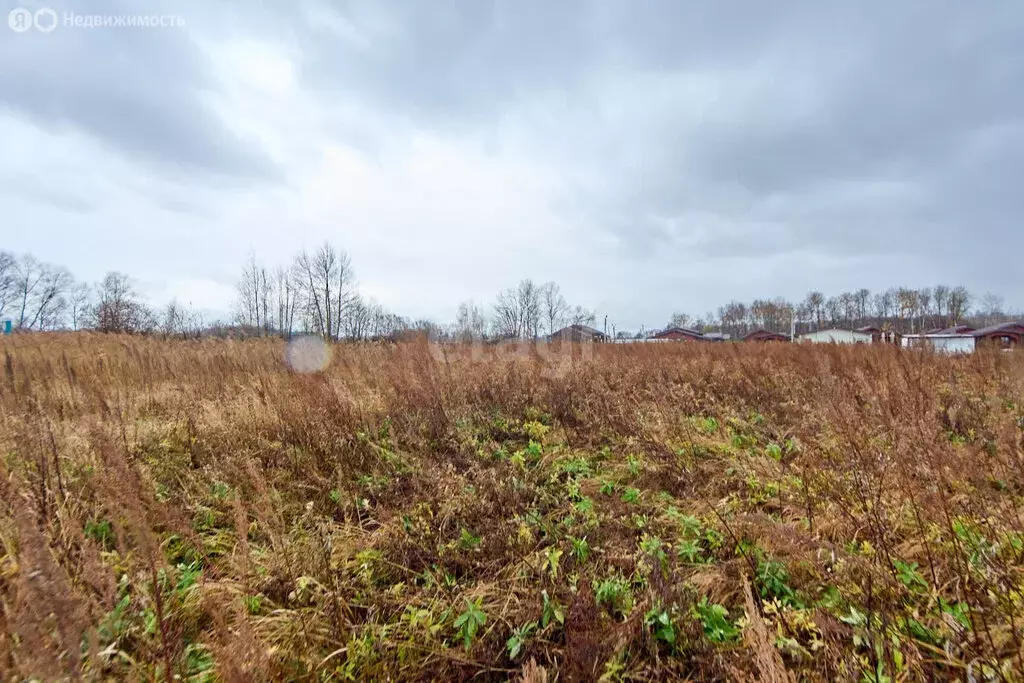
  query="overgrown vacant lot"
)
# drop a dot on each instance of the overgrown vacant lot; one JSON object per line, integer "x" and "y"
{"x": 650, "y": 512}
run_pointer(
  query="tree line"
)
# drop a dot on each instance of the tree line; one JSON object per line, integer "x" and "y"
{"x": 41, "y": 296}
{"x": 316, "y": 292}
{"x": 900, "y": 309}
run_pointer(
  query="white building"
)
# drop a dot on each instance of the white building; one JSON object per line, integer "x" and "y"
{"x": 836, "y": 336}
{"x": 941, "y": 343}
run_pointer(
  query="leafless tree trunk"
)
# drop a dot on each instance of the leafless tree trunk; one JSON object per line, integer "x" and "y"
{"x": 118, "y": 308}
{"x": 517, "y": 311}
{"x": 470, "y": 323}
{"x": 39, "y": 293}
{"x": 553, "y": 306}
{"x": 958, "y": 303}
{"x": 582, "y": 316}
{"x": 8, "y": 278}
{"x": 254, "y": 292}
{"x": 328, "y": 284}
{"x": 78, "y": 300}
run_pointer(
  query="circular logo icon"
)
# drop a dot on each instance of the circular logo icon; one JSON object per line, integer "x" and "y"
{"x": 46, "y": 19}
{"x": 19, "y": 19}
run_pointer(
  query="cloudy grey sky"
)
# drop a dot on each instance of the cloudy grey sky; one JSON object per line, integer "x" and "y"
{"x": 650, "y": 156}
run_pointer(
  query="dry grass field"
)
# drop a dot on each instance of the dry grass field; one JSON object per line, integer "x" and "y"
{"x": 196, "y": 510}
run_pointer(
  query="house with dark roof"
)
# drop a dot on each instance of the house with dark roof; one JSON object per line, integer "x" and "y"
{"x": 1001, "y": 336}
{"x": 940, "y": 343}
{"x": 765, "y": 336}
{"x": 1004, "y": 335}
{"x": 880, "y": 335}
{"x": 956, "y": 329}
{"x": 679, "y": 334}
{"x": 578, "y": 333}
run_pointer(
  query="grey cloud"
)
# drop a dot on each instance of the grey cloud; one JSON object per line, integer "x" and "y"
{"x": 449, "y": 62}
{"x": 138, "y": 92}
{"x": 852, "y": 106}
{"x": 896, "y": 106}
{"x": 36, "y": 189}
{"x": 745, "y": 116}
{"x": 876, "y": 132}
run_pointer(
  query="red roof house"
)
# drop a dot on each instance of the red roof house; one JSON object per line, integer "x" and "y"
{"x": 766, "y": 336}
{"x": 679, "y": 334}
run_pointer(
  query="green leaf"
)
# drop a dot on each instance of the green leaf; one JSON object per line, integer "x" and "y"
{"x": 469, "y": 622}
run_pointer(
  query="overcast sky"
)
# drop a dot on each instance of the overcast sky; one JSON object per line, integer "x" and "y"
{"x": 648, "y": 156}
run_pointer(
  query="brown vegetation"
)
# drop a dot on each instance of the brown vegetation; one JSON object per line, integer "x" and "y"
{"x": 193, "y": 509}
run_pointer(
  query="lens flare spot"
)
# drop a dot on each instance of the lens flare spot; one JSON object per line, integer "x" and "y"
{"x": 307, "y": 354}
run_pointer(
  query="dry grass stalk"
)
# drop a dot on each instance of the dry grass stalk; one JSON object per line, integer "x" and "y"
{"x": 193, "y": 508}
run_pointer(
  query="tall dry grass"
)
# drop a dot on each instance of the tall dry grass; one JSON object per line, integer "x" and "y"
{"x": 196, "y": 510}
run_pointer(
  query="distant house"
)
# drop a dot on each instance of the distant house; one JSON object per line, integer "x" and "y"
{"x": 578, "y": 333}
{"x": 880, "y": 335}
{"x": 717, "y": 336}
{"x": 765, "y": 336}
{"x": 965, "y": 339}
{"x": 836, "y": 336}
{"x": 940, "y": 343}
{"x": 875, "y": 332}
{"x": 678, "y": 334}
{"x": 1005, "y": 335}
{"x": 956, "y": 329}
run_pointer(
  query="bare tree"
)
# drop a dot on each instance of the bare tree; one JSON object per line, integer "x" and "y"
{"x": 906, "y": 305}
{"x": 863, "y": 298}
{"x": 582, "y": 316}
{"x": 328, "y": 287}
{"x": 733, "y": 317}
{"x": 771, "y": 314}
{"x": 8, "y": 278}
{"x": 118, "y": 307}
{"x": 344, "y": 289}
{"x": 254, "y": 291}
{"x": 553, "y": 306}
{"x": 924, "y": 308}
{"x": 680, "y": 320}
{"x": 940, "y": 297}
{"x": 470, "y": 323}
{"x": 181, "y": 321}
{"x": 507, "y": 316}
{"x": 991, "y": 306}
{"x": 384, "y": 324}
{"x": 529, "y": 301}
{"x": 833, "y": 310}
{"x": 958, "y": 303}
{"x": 517, "y": 311}
{"x": 39, "y": 290}
{"x": 173, "y": 321}
{"x": 357, "y": 322}
{"x": 814, "y": 304}
{"x": 286, "y": 294}
{"x": 28, "y": 273}
{"x": 885, "y": 303}
{"x": 313, "y": 295}
{"x": 848, "y": 307}
{"x": 79, "y": 301}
